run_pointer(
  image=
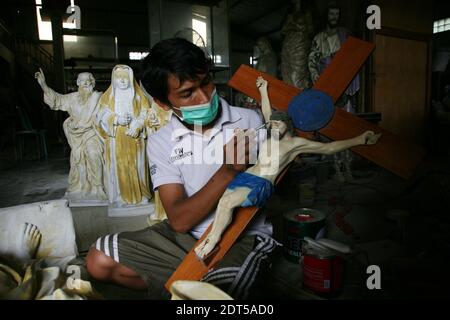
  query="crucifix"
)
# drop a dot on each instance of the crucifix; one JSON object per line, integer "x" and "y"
{"x": 391, "y": 152}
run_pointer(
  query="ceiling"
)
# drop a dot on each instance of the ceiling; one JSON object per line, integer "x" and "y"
{"x": 249, "y": 19}
{"x": 255, "y": 18}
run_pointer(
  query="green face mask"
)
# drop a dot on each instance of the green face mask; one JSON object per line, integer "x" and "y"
{"x": 201, "y": 114}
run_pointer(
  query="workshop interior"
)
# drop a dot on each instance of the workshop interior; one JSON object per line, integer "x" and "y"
{"x": 110, "y": 113}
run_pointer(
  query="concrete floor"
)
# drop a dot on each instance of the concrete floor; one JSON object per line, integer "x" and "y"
{"x": 411, "y": 267}
{"x": 33, "y": 181}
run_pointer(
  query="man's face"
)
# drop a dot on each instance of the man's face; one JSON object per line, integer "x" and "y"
{"x": 188, "y": 93}
{"x": 85, "y": 82}
{"x": 333, "y": 17}
{"x": 122, "y": 79}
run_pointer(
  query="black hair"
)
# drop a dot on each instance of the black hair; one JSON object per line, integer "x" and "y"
{"x": 175, "y": 56}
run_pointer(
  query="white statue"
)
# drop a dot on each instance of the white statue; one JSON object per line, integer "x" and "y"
{"x": 29, "y": 239}
{"x": 121, "y": 122}
{"x": 254, "y": 186}
{"x": 196, "y": 290}
{"x": 43, "y": 230}
{"x": 86, "y": 158}
{"x": 25, "y": 276}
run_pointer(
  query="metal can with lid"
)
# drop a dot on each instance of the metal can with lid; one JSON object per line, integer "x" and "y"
{"x": 300, "y": 223}
{"x": 322, "y": 270}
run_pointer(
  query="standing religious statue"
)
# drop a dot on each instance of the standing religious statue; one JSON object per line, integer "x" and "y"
{"x": 121, "y": 122}
{"x": 156, "y": 118}
{"x": 324, "y": 47}
{"x": 266, "y": 61}
{"x": 266, "y": 58}
{"x": 297, "y": 31}
{"x": 86, "y": 180}
{"x": 255, "y": 186}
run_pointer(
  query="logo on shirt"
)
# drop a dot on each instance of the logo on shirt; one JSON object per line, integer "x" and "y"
{"x": 152, "y": 169}
{"x": 178, "y": 154}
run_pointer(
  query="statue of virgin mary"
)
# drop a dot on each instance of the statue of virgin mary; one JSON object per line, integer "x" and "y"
{"x": 121, "y": 122}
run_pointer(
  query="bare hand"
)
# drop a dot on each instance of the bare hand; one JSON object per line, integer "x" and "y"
{"x": 369, "y": 138}
{"x": 40, "y": 77}
{"x": 124, "y": 120}
{"x": 261, "y": 83}
{"x": 237, "y": 150}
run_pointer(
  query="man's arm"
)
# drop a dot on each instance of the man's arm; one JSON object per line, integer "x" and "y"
{"x": 185, "y": 212}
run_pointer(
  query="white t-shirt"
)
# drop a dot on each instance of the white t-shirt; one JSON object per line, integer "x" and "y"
{"x": 179, "y": 155}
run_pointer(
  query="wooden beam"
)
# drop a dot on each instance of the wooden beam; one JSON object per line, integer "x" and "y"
{"x": 280, "y": 94}
{"x": 191, "y": 268}
{"x": 391, "y": 152}
{"x": 344, "y": 67}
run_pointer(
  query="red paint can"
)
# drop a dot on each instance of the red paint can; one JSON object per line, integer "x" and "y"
{"x": 322, "y": 271}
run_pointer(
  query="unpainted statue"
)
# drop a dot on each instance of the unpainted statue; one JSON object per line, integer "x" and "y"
{"x": 297, "y": 31}
{"x": 266, "y": 58}
{"x": 121, "y": 122}
{"x": 24, "y": 276}
{"x": 86, "y": 180}
{"x": 254, "y": 186}
{"x": 196, "y": 290}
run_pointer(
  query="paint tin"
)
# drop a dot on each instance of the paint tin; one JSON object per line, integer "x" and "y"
{"x": 322, "y": 271}
{"x": 298, "y": 224}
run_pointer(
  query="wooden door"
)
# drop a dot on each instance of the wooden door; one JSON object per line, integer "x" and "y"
{"x": 400, "y": 88}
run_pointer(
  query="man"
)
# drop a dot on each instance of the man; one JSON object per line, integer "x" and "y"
{"x": 121, "y": 122}
{"x": 86, "y": 157}
{"x": 324, "y": 47}
{"x": 177, "y": 75}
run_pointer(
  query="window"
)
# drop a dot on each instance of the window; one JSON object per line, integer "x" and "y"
{"x": 199, "y": 34}
{"x": 45, "y": 27}
{"x": 441, "y": 25}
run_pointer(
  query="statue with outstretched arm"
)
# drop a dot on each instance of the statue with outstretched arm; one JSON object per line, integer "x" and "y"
{"x": 255, "y": 186}
{"x": 86, "y": 180}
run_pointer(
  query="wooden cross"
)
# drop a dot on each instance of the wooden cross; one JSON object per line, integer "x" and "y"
{"x": 391, "y": 152}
